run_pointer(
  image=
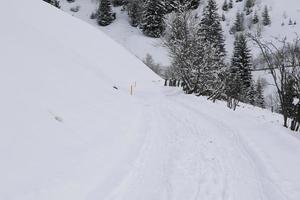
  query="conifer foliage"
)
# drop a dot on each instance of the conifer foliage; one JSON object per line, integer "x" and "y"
{"x": 210, "y": 30}
{"x": 53, "y": 2}
{"x": 241, "y": 65}
{"x": 266, "y": 17}
{"x": 152, "y": 23}
{"x": 105, "y": 16}
{"x": 212, "y": 49}
{"x": 259, "y": 95}
{"x": 198, "y": 50}
{"x": 134, "y": 12}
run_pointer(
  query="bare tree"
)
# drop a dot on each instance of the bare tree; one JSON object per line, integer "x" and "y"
{"x": 282, "y": 60}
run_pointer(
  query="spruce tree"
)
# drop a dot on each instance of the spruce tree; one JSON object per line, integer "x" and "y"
{"x": 239, "y": 23}
{"x": 255, "y": 19}
{"x": 53, "y": 2}
{"x": 248, "y": 6}
{"x": 210, "y": 29}
{"x": 225, "y": 6}
{"x": 134, "y": 12}
{"x": 266, "y": 17}
{"x": 194, "y": 4}
{"x": 105, "y": 16}
{"x": 152, "y": 23}
{"x": 242, "y": 61}
{"x": 213, "y": 48}
{"x": 230, "y": 4}
{"x": 118, "y": 2}
{"x": 259, "y": 97}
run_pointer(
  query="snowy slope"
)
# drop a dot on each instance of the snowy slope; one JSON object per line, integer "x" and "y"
{"x": 63, "y": 126}
{"x": 66, "y": 133}
{"x": 132, "y": 39}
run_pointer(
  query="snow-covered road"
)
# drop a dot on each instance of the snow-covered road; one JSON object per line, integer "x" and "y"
{"x": 191, "y": 151}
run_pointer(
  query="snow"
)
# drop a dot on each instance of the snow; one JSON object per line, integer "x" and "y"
{"x": 120, "y": 30}
{"x": 66, "y": 133}
{"x": 295, "y": 101}
{"x": 132, "y": 38}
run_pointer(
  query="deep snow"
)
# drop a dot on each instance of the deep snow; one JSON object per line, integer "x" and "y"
{"x": 66, "y": 133}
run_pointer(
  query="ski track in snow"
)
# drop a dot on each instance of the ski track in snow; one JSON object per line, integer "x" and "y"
{"x": 191, "y": 154}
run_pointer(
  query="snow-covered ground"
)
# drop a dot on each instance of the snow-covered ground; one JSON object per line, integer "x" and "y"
{"x": 66, "y": 133}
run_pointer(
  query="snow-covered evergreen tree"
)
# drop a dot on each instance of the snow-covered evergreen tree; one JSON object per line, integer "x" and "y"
{"x": 152, "y": 23}
{"x": 118, "y": 2}
{"x": 182, "y": 45}
{"x": 239, "y": 23}
{"x": 242, "y": 61}
{"x": 259, "y": 95}
{"x": 211, "y": 38}
{"x": 53, "y": 2}
{"x": 134, "y": 8}
{"x": 255, "y": 19}
{"x": 225, "y": 6}
{"x": 248, "y": 6}
{"x": 230, "y": 4}
{"x": 266, "y": 17}
{"x": 210, "y": 29}
{"x": 105, "y": 16}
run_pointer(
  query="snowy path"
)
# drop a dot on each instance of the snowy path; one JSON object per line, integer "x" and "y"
{"x": 189, "y": 153}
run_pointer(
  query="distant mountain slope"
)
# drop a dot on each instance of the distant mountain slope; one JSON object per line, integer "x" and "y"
{"x": 280, "y": 12}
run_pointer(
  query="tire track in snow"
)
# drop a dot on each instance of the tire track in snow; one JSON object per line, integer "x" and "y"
{"x": 266, "y": 185}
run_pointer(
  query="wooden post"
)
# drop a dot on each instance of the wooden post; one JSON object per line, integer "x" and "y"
{"x": 131, "y": 90}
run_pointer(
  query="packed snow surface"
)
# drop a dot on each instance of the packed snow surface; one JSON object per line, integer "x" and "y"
{"x": 71, "y": 130}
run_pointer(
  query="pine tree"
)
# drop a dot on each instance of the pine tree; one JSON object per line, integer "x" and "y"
{"x": 210, "y": 29}
{"x": 230, "y": 4}
{"x": 118, "y": 2}
{"x": 53, "y": 2}
{"x": 105, "y": 16}
{"x": 134, "y": 12}
{"x": 239, "y": 23}
{"x": 152, "y": 23}
{"x": 223, "y": 17}
{"x": 242, "y": 61}
{"x": 213, "y": 48}
{"x": 248, "y": 6}
{"x": 266, "y": 17}
{"x": 225, "y": 6}
{"x": 194, "y": 4}
{"x": 255, "y": 19}
{"x": 259, "y": 97}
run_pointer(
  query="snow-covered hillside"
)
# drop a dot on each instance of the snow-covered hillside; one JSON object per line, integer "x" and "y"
{"x": 71, "y": 130}
{"x": 132, "y": 39}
